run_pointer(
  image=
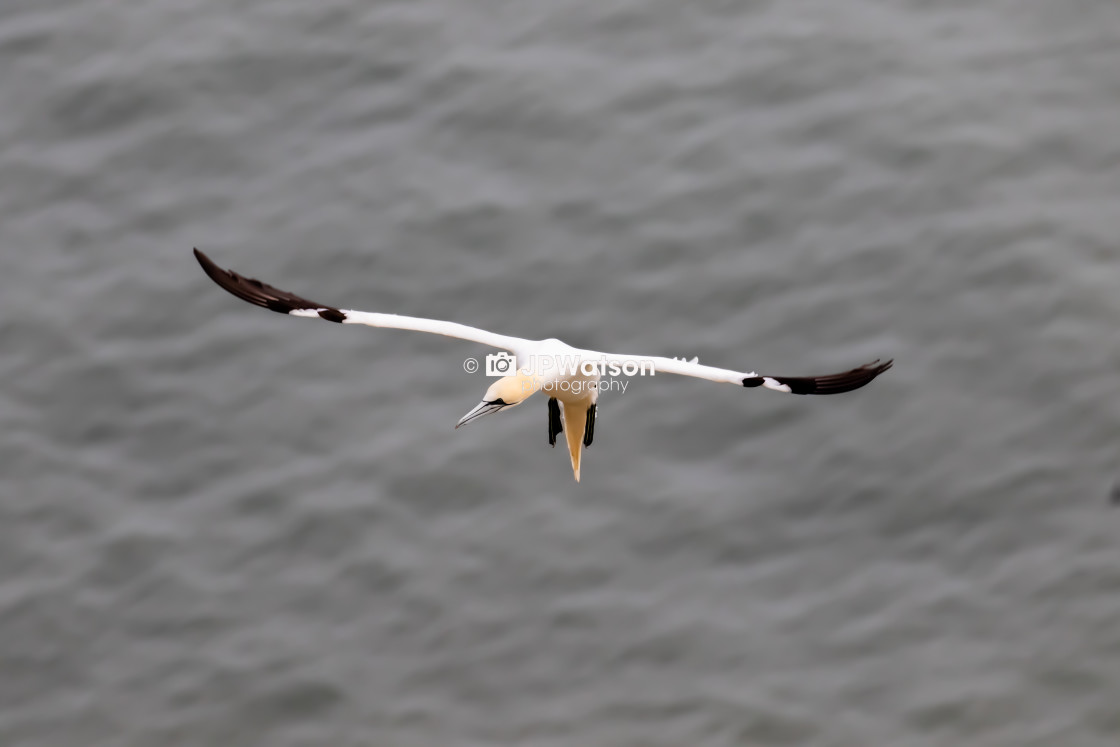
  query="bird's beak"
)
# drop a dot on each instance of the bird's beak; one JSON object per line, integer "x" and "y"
{"x": 484, "y": 408}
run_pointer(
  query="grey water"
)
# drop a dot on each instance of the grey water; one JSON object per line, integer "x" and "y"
{"x": 222, "y": 526}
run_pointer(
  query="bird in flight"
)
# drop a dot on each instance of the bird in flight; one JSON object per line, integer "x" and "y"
{"x": 569, "y": 376}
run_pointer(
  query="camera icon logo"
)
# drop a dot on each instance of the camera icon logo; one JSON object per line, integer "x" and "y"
{"x": 500, "y": 364}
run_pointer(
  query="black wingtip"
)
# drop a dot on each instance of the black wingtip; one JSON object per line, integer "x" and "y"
{"x": 830, "y": 384}
{"x": 260, "y": 294}
{"x": 208, "y": 265}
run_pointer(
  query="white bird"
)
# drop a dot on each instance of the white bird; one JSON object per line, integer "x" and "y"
{"x": 569, "y": 375}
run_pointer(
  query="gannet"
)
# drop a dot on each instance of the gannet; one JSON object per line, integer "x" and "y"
{"x": 569, "y": 375}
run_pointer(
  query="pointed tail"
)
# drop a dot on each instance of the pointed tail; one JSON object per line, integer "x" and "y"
{"x": 575, "y": 421}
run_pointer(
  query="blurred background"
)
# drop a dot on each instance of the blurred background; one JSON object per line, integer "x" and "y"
{"x": 220, "y": 526}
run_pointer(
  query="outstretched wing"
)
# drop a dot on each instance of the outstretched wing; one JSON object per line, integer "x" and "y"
{"x": 827, "y": 384}
{"x": 264, "y": 295}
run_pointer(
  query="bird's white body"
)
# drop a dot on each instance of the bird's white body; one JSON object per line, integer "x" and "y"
{"x": 569, "y": 376}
